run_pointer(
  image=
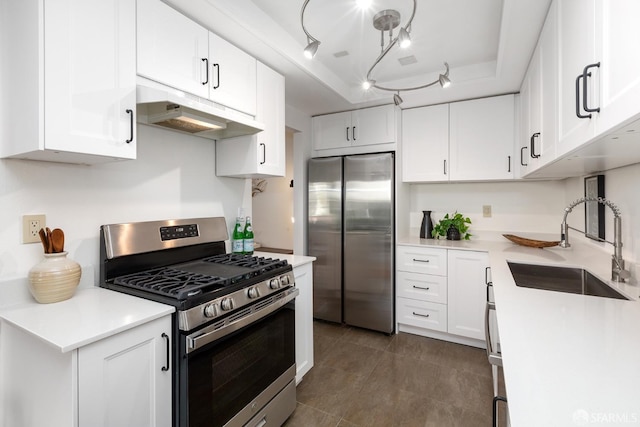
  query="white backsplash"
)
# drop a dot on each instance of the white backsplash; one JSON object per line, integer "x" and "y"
{"x": 173, "y": 177}
{"x": 534, "y": 208}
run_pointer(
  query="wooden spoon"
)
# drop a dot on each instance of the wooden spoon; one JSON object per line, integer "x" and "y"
{"x": 57, "y": 240}
{"x": 49, "y": 241}
{"x": 44, "y": 240}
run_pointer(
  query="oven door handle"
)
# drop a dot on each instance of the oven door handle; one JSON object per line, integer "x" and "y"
{"x": 210, "y": 334}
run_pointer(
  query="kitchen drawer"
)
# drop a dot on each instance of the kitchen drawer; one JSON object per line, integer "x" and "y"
{"x": 422, "y": 260}
{"x": 428, "y": 315}
{"x": 424, "y": 287}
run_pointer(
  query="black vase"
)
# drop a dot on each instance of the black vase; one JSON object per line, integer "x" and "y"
{"x": 453, "y": 233}
{"x": 427, "y": 225}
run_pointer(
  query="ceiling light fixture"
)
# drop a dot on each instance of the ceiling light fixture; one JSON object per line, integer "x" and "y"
{"x": 384, "y": 21}
{"x": 363, "y": 4}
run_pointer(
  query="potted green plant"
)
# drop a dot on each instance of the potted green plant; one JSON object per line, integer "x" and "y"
{"x": 453, "y": 227}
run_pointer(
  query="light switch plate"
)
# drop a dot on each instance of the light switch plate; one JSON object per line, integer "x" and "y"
{"x": 486, "y": 211}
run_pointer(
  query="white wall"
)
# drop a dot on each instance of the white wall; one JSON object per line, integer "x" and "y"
{"x": 622, "y": 187}
{"x": 173, "y": 177}
{"x": 273, "y": 208}
{"x": 517, "y": 207}
{"x": 300, "y": 123}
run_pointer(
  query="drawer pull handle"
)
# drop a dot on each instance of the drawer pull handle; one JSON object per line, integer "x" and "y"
{"x": 421, "y": 315}
{"x": 420, "y": 260}
{"x": 420, "y": 287}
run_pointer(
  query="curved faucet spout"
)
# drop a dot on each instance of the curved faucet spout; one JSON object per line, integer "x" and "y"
{"x": 618, "y": 273}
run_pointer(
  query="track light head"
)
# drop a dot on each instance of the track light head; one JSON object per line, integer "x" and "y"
{"x": 404, "y": 39}
{"x": 397, "y": 99}
{"x": 311, "y": 49}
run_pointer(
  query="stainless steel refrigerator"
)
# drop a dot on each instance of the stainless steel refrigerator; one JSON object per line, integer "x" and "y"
{"x": 351, "y": 233}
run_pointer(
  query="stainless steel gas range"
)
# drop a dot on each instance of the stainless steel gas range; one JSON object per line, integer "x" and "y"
{"x": 233, "y": 346}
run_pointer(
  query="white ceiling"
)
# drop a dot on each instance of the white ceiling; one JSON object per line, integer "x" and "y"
{"x": 487, "y": 43}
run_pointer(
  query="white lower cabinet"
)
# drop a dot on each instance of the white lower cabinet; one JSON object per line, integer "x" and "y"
{"x": 123, "y": 380}
{"x": 304, "y": 319}
{"x": 467, "y": 293}
{"x": 422, "y": 314}
{"x": 441, "y": 293}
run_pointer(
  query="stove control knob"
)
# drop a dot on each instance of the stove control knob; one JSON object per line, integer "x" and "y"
{"x": 210, "y": 310}
{"x": 274, "y": 283}
{"x": 252, "y": 292}
{"x": 226, "y": 304}
{"x": 284, "y": 280}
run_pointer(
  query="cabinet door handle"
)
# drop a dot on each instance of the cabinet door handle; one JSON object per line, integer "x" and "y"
{"x": 166, "y": 337}
{"x": 348, "y": 133}
{"x": 486, "y": 276}
{"x": 353, "y": 133}
{"x": 420, "y": 287}
{"x": 206, "y": 63}
{"x": 421, "y": 315}
{"x": 420, "y": 260}
{"x": 509, "y": 164}
{"x": 522, "y": 163}
{"x": 217, "y": 67}
{"x": 264, "y": 153}
{"x": 578, "y": 112}
{"x": 130, "y": 112}
{"x": 445, "y": 166}
{"x": 532, "y": 151}
{"x": 585, "y": 89}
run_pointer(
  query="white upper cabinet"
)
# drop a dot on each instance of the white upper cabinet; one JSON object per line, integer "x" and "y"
{"x": 369, "y": 126}
{"x": 462, "y": 141}
{"x": 537, "y": 140}
{"x": 178, "y": 52}
{"x": 69, "y": 79}
{"x": 232, "y": 76}
{"x": 263, "y": 154}
{"x": 425, "y": 143}
{"x": 172, "y": 49}
{"x": 481, "y": 139}
{"x": 618, "y": 35}
{"x": 599, "y": 68}
{"x": 576, "y": 50}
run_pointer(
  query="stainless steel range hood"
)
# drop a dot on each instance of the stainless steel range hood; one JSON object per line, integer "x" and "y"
{"x": 180, "y": 111}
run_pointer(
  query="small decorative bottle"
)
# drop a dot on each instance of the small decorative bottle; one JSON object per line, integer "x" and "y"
{"x": 248, "y": 237}
{"x": 237, "y": 245}
{"x": 427, "y": 225}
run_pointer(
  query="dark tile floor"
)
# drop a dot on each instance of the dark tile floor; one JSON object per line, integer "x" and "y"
{"x": 365, "y": 378}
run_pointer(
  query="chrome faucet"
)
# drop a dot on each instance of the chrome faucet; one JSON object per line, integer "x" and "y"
{"x": 618, "y": 273}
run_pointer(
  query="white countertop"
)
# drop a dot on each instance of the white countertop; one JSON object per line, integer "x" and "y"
{"x": 93, "y": 313}
{"x": 568, "y": 359}
{"x": 90, "y": 315}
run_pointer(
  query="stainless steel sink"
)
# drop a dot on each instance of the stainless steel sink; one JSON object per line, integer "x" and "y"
{"x": 561, "y": 279}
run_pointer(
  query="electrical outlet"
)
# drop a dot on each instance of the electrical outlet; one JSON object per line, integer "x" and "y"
{"x": 31, "y": 225}
{"x": 486, "y": 211}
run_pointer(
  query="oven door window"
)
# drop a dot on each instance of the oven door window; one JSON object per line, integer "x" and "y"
{"x": 229, "y": 373}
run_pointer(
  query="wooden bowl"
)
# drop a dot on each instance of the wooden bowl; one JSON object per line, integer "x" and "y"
{"x": 530, "y": 242}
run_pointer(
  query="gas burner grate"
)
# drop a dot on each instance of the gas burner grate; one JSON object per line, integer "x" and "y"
{"x": 259, "y": 265}
{"x": 171, "y": 282}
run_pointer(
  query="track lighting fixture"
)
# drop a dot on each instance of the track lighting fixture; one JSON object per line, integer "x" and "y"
{"x": 384, "y": 21}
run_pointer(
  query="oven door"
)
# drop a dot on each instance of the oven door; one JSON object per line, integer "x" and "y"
{"x": 233, "y": 369}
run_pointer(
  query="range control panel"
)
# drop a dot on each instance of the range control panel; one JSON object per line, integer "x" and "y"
{"x": 178, "y": 232}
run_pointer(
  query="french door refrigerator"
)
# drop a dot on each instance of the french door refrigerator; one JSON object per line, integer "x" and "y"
{"x": 351, "y": 233}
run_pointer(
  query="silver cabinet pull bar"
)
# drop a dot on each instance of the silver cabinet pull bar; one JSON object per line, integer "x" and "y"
{"x": 420, "y": 287}
{"x": 421, "y": 315}
{"x": 420, "y": 260}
